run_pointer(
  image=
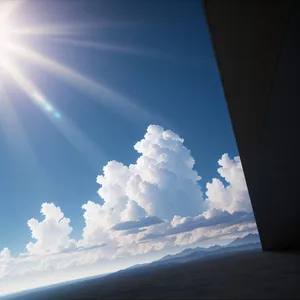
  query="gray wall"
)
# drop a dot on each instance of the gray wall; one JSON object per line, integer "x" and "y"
{"x": 256, "y": 45}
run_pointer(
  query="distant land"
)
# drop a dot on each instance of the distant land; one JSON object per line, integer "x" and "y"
{"x": 102, "y": 282}
{"x": 250, "y": 241}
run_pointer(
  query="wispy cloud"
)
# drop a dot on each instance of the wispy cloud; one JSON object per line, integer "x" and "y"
{"x": 140, "y": 223}
{"x": 222, "y": 218}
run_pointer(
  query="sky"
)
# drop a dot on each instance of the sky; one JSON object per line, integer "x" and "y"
{"x": 115, "y": 139}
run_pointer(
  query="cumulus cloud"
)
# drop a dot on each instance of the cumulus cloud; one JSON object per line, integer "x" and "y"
{"x": 153, "y": 204}
{"x": 51, "y": 234}
{"x": 159, "y": 196}
{"x": 233, "y": 197}
{"x": 162, "y": 183}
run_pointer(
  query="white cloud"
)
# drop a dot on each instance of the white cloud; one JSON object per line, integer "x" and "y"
{"x": 139, "y": 223}
{"x": 233, "y": 197}
{"x": 162, "y": 183}
{"x": 5, "y": 260}
{"x": 132, "y": 212}
{"x": 5, "y": 255}
{"x": 215, "y": 234}
{"x": 154, "y": 204}
{"x": 217, "y": 218}
{"x": 51, "y": 234}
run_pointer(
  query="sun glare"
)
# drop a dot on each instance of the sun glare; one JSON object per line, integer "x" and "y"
{"x": 7, "y": 63}
{"x": 6, "y": 9}
{"x": 4, "y": 40}
{"x": 16, "y": 46}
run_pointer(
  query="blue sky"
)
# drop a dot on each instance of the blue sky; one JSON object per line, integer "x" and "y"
{"x": 162, "y": 61}
{"x": 183, "y": 94}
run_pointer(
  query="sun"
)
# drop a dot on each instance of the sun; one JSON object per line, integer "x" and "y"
{"x": 5, "y": 31}
{"x": 7, "y": 61}
{"x": 19, "y": 33}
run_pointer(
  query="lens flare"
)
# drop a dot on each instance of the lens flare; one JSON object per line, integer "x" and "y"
{"x": 57, "y": 115}
{"x": 16, "y": 45}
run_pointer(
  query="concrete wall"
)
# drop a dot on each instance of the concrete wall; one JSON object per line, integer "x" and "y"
{"x": 257, "y": 49}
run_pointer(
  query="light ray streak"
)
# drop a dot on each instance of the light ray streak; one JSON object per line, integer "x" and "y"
{"x": 67, "y": 29}
{"x": 28, "y": 87}
{"x": 112, "y": 48}
{"x": 99, "y": 92}
{"x": 129, "y": 50}
{"x": 18, "y": 139}
{"x": 69, "y": 130}
{"x": 11, "y": 124}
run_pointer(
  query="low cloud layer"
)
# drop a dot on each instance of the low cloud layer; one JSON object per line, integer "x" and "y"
{"x": 5, "y": 255}
{"x": 154, "y": 204}
{"x": 219, "y": 218}
{"x": 139, "y": 223}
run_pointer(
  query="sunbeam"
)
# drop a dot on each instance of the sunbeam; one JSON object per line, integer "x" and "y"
{"x": 67, "y": 128}
{"x": 5, "y": 27}
{"x": 99, "y": 92}
{"x": 29, "y": 88}
{"x": 12, "y": 46}
{"x": 17, "y": 138}
{"x": 67, "y": 29}
{"x": 111, "y": 48}
{"x": 11, "y": 125}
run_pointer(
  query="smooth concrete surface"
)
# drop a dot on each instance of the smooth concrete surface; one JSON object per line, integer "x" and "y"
{"x": 256, "y": 44}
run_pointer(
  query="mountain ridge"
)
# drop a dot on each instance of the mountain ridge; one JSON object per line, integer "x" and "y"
{"x": 249, "y": 241}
